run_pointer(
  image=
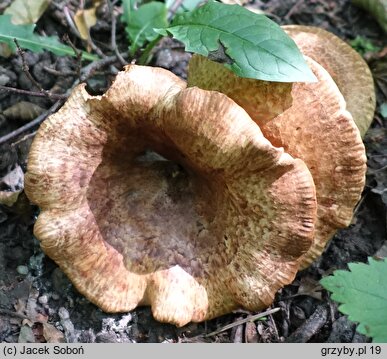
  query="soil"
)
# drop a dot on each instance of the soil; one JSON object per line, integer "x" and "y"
{"x": 39, "y": 304}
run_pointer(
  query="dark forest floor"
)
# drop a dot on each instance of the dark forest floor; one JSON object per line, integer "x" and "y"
{"x": 38, "y": 303}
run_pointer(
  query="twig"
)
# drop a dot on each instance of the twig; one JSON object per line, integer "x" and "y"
{"x": 310, "y": 327}
{"x": 53, "y": 96}
{"x": 13, "y": 314}
{"x": 59, "y": 73}
{"x": 113, "y": 34}
{"x": 88, "y": 70}
{"x": 272, "y": 321}
{"x": 70, "y": 22}
{"x": 24, "y": 138}
{"x": 31, "y": 124}
{"x": 78, "y": 54}
{"x": 293, "y": 9}
{"x": 251, "y": 318}
{"x": 173, "y": 8}
{"x": 26, "y": 69}
{"x": 75, "y": 31}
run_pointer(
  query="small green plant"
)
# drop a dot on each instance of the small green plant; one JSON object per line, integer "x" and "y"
{"x": 27, "y": 39}
{"x": 363, "y": 45}
{"x": 249, "y": 44}
{"x": 362, "y": 292}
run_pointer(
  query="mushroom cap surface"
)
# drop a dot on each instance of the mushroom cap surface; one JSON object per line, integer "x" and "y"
{"x": 346, "y": 66}
{"x": 317, "y": 129}
{"x": 262, "y": 100}
{"x": 154, "y": 194}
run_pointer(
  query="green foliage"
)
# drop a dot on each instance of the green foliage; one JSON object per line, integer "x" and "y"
{"x": 363, "y": 294}
{"x": 250, "y": 44}
{"x": 26, "y": 38}
{"x": 140, "y": 23}
{"x": 363, "y": 45}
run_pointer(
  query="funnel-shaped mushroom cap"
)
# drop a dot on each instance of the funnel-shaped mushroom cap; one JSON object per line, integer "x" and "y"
{"x": 317, "y": 129}
{"x": 262, "y": 100}
{"x": 347, "y": 68}
{"x": 153, "y": 194}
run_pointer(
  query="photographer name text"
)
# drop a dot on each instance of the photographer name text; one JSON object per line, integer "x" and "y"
{"x": 13, "y": 350}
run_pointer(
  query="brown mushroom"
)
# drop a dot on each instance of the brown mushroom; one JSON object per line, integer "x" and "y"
{"x": 317, "y": 129}
{"x": 347, "y": 68}
{"x": 154, "y": 194}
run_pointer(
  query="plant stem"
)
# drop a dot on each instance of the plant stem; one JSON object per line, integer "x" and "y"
{"x": 145, "y": 56}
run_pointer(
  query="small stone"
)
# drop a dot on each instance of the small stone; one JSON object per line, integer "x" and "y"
{"x": 63, "y": 313}
{"x": 23, "y": 270}
{"x": 4, "y": 79}
{"x": 55, "y": 296}
{"x": 43, "y": 299}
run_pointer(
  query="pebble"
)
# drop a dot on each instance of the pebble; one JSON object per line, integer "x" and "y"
{"x": 23, "y": 270}
{"x": 4, "y": 79}
{"x": 43, "y": 299}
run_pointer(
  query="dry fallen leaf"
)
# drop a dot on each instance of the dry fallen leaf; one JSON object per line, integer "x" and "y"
{"x": 5, "y": 50}
{"x": 24, "y": 111}
{"x": 51, "y": 334}
{"x": 26, "y": 11}
{"x": 85, "y": 19}
{"x": 309, "y": 286}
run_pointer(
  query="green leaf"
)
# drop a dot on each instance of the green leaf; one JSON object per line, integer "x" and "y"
{"x": 249, "y": 44}
{"x": 362, "y": 45}
{"x": 128, "y": 7}
{"x": 28, "y": 40}
{"x": 363, "y": 294}
{"x": 140, "y": 23}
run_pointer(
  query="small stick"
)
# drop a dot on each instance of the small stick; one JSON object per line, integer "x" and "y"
{"x": 293, "y": 9}
{"x": 251, "y": 318}
{"x": 59, "y": 73}
{"x": 70, "y": 22}
{"x": 113, "y": 34}
{"x": 272, "y": 321}
{"x": 53, "y": 96}
{"x": 13, "y": 314}
{"x": 88, "y": 70}
{"x": 24, "y": 138}
{"x": 173, "y": 8}
{"x": 26, "y": 69}
{"x": 78, "y": 54}
{"x": 31, "y": 124}
{"x": 74, "y": 29}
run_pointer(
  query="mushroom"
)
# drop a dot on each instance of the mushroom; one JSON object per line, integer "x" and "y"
{"x": 347, "y": 68}
{"x": 317, "y": 129}
{"x": 154, "y": 194}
